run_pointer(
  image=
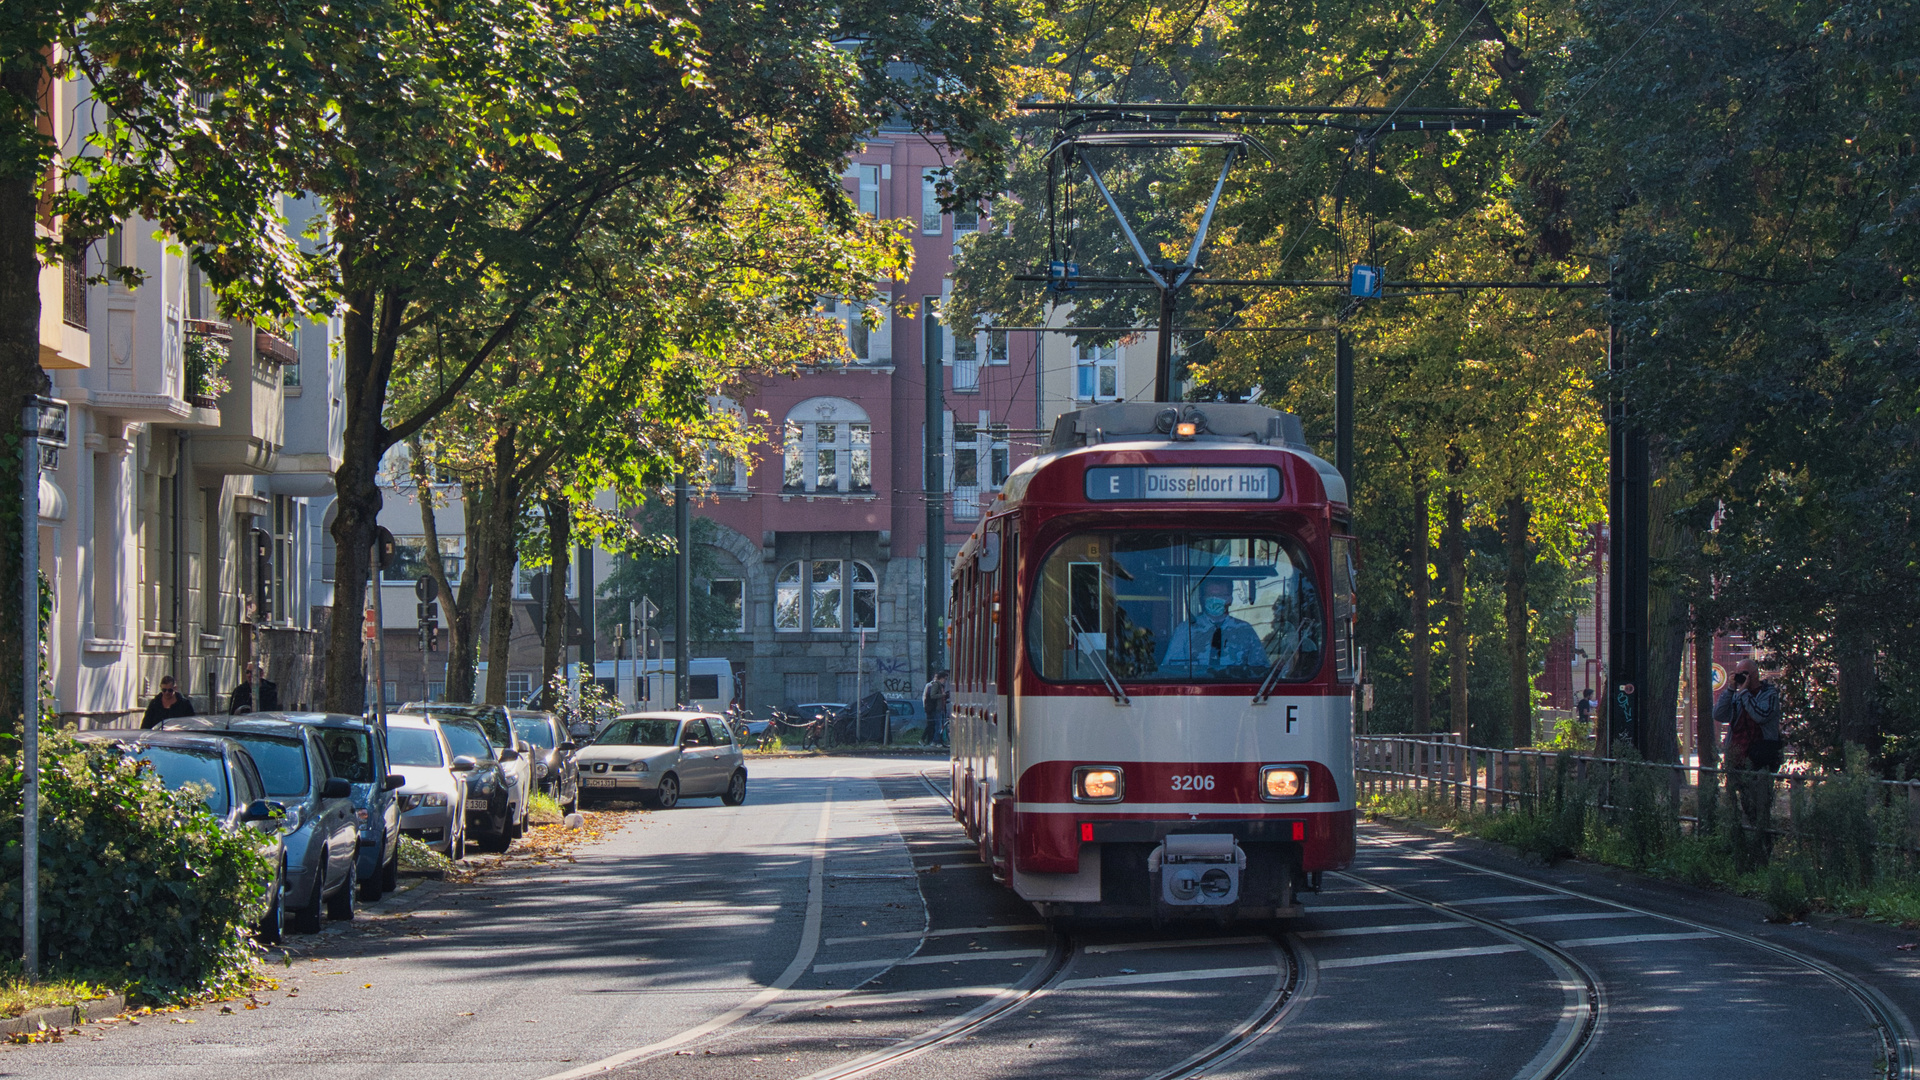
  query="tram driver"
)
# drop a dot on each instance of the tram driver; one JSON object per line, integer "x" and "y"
{"x": 1214, "y": 641}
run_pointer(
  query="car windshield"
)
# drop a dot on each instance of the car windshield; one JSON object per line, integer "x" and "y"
{"x": 413, "y": 746}
{"x": 282, "y": 762}
{"x": 641, "y": 733}
{"x": 465, "y": 739}
{"x": 1175, "y": 607}
{"x": 203, "y": 771}
{"x": 350, "y": 753}
{"x": 491, "y": 721}
{"x": 537, "y": 732}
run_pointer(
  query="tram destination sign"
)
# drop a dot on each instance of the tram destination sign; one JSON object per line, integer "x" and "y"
{"x": 1183, "y": 483}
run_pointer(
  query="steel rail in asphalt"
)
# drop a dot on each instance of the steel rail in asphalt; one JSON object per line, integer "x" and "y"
{"x": 1585, "y": 1007}
{"x": 1295, "y": 983}
{"x": 1895, "y": 1027}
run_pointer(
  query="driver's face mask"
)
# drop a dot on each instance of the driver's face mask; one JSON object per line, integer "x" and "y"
{"x": 1215, "y": 606}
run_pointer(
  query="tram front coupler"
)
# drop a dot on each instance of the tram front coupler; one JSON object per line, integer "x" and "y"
{"x": 1198, "y": 870}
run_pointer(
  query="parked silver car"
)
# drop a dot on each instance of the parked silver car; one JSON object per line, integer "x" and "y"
{"x": 660, "y": 758}
{"x": 433, "y": 798}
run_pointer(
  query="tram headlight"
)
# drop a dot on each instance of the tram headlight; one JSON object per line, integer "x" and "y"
{"x": 1283, "y": 783}
{"x": 1098, "y": 783}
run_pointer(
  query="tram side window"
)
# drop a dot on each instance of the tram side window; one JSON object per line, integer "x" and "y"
{"x": 1176, "y": 607}
{"x": 1346, "y": 586}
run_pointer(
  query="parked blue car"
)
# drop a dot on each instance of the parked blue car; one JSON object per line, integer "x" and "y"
{"x": 319, "y": 830}
{"x": 357, "y": 751}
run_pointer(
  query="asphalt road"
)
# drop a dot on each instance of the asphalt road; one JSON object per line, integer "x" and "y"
{"x": 840, "y": 925}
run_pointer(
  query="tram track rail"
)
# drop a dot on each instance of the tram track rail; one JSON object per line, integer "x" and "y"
{"x": 1895, "y": 1028}
{"x": 1295, "y": 984}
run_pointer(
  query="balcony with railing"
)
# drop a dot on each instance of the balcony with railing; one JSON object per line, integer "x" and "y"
{"x": 246, "y": 383}
{"x": 64, "y": 343}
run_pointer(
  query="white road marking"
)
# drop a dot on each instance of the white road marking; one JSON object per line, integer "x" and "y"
{"x": 937, "y": 958}
{"x": 1576, "y": 916}
{"x": 1405, "y": 957}
{"x": 1169, "y": 976}
{"x": 1311, "y": 908}
{"x": 910, "y": 935}
{"x": 1399, "y": 928}
{"x": 1192, "y": 943}
{"x": 1629, "y": 939}
{"x": 1525, "y": 898}
{"x": 803, "y": 958}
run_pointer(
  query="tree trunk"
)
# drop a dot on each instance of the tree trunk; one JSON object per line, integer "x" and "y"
{"x": 1856, "y": 655}
{"x": 1658, "y": 732}
{"x": 1458, "y": 641}
{"x": 559, "y": 548}
{"x": 455, "y": 612}
{"x": 1705, "y": 737}
{"x": 20, "y": 376}
{"x": 504, "y": 550}
{"x": 357, "y": 496}
{"x": 1519, "y": 673}
{"x": 1420, "y": 649}
{"x": 463, "y": 618}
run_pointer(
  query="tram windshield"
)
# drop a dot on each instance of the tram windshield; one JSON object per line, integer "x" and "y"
{"x": 1175, "y": 607}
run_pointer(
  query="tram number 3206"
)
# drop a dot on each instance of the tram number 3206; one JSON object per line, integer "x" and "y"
{"x": 1193, "y": 783}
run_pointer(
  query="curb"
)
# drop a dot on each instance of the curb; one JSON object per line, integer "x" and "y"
{"x": 64, "y": 1015}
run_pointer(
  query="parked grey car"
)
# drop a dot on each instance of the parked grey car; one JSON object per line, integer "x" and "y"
{"x": 231, "y": 788}
{"x": 660, "y": 758}
{"x": 320, "y": 831}
{"x": 357, "y": 752}
{"x": 552, "y": 751}
{"x": 510, "y": 751}
{"x": 433, "y": 798}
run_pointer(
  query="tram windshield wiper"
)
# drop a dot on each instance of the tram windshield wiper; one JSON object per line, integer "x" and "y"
{"x": 1282, "y": 662}
{"x": 1085, "y": 648}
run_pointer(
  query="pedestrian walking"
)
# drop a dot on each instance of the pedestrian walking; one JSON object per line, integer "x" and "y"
{"x": 934, "y": 700}
{"x": 169, "y": 702}
{"x": 1750, "y": 708}
{"x": 1585, "y": 706}
{"x": 241, "y": 700}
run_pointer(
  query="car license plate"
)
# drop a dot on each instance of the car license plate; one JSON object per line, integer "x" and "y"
{"x": 609, "y": 782}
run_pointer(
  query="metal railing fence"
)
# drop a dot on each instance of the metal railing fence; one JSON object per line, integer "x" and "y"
{"x": 1482, "y": 779}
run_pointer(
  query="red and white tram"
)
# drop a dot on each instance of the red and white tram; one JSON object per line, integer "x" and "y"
{"x": 1154, "y": 666}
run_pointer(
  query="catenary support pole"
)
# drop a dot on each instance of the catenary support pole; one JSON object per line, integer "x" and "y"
{"x": 1343, "y": 408}
{"x": 589, "y": 652}
{"x": 936, "y": 446}
{"x": 1626, "y": 552}
{"x": 1163, "y": 381}
{"x": 30, "y": 690}
{"x": 379, "y": 636}
{"x": 682, "y": 587}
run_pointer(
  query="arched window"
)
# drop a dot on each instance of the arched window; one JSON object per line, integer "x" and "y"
{"x": 828, "y": 448}
{"x": 826, "y": 596}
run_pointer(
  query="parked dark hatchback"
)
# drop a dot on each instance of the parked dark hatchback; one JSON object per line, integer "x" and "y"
{"x": 233, "y": 792}
{"x": 489, "y": 796}
{"x": 552, "y": 749}
{"x": 357, "y": 751}
{"x": 320, "y": 831}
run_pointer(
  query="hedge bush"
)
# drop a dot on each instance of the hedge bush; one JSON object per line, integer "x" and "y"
{"x": 139, "y": 887}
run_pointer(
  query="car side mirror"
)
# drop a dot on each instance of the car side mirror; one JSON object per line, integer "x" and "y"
{"x": 463, "y": 763}
{"x": 568, "y": 748}
{"x": 393, "y": 782}
{"x": 509, "y": 755}
{"x": 336, "y": 787}
{"x": 260, "y": 810}
{"x": 689, "y": 741}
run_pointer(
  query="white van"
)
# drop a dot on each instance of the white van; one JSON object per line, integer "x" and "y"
{"x": 648, "y": 684}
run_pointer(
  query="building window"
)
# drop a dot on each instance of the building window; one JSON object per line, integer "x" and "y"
{"x": 966, "y": 364}
{"x": 966, "y": 455}
{"x": 827, "y": 447}
{"x": 436, "y": 691}
{"x": 724, "y": 472}
{"x": 868, "y": 344}
{"x": 866, "y": 191}
{"x": 519, "y": 687}
{"x": 966, "y": 220}
{"x": 997, "y": 352}
{"x": 998, "y": 434}
{"x": 732, "y": 594}
{"x": 826, "y": 596}
{"x": 1097, "y": 377}
{"x": 410, "y": 558}
{"x": 290, "y": 373}
{"x": 523, "y": 579}
{"x": 930, "y": 222}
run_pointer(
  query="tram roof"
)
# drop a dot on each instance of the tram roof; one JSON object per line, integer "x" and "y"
{"x": 1149, "y": 425}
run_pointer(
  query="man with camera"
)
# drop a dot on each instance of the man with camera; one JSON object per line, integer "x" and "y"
{"x": 1750, "y": 708}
